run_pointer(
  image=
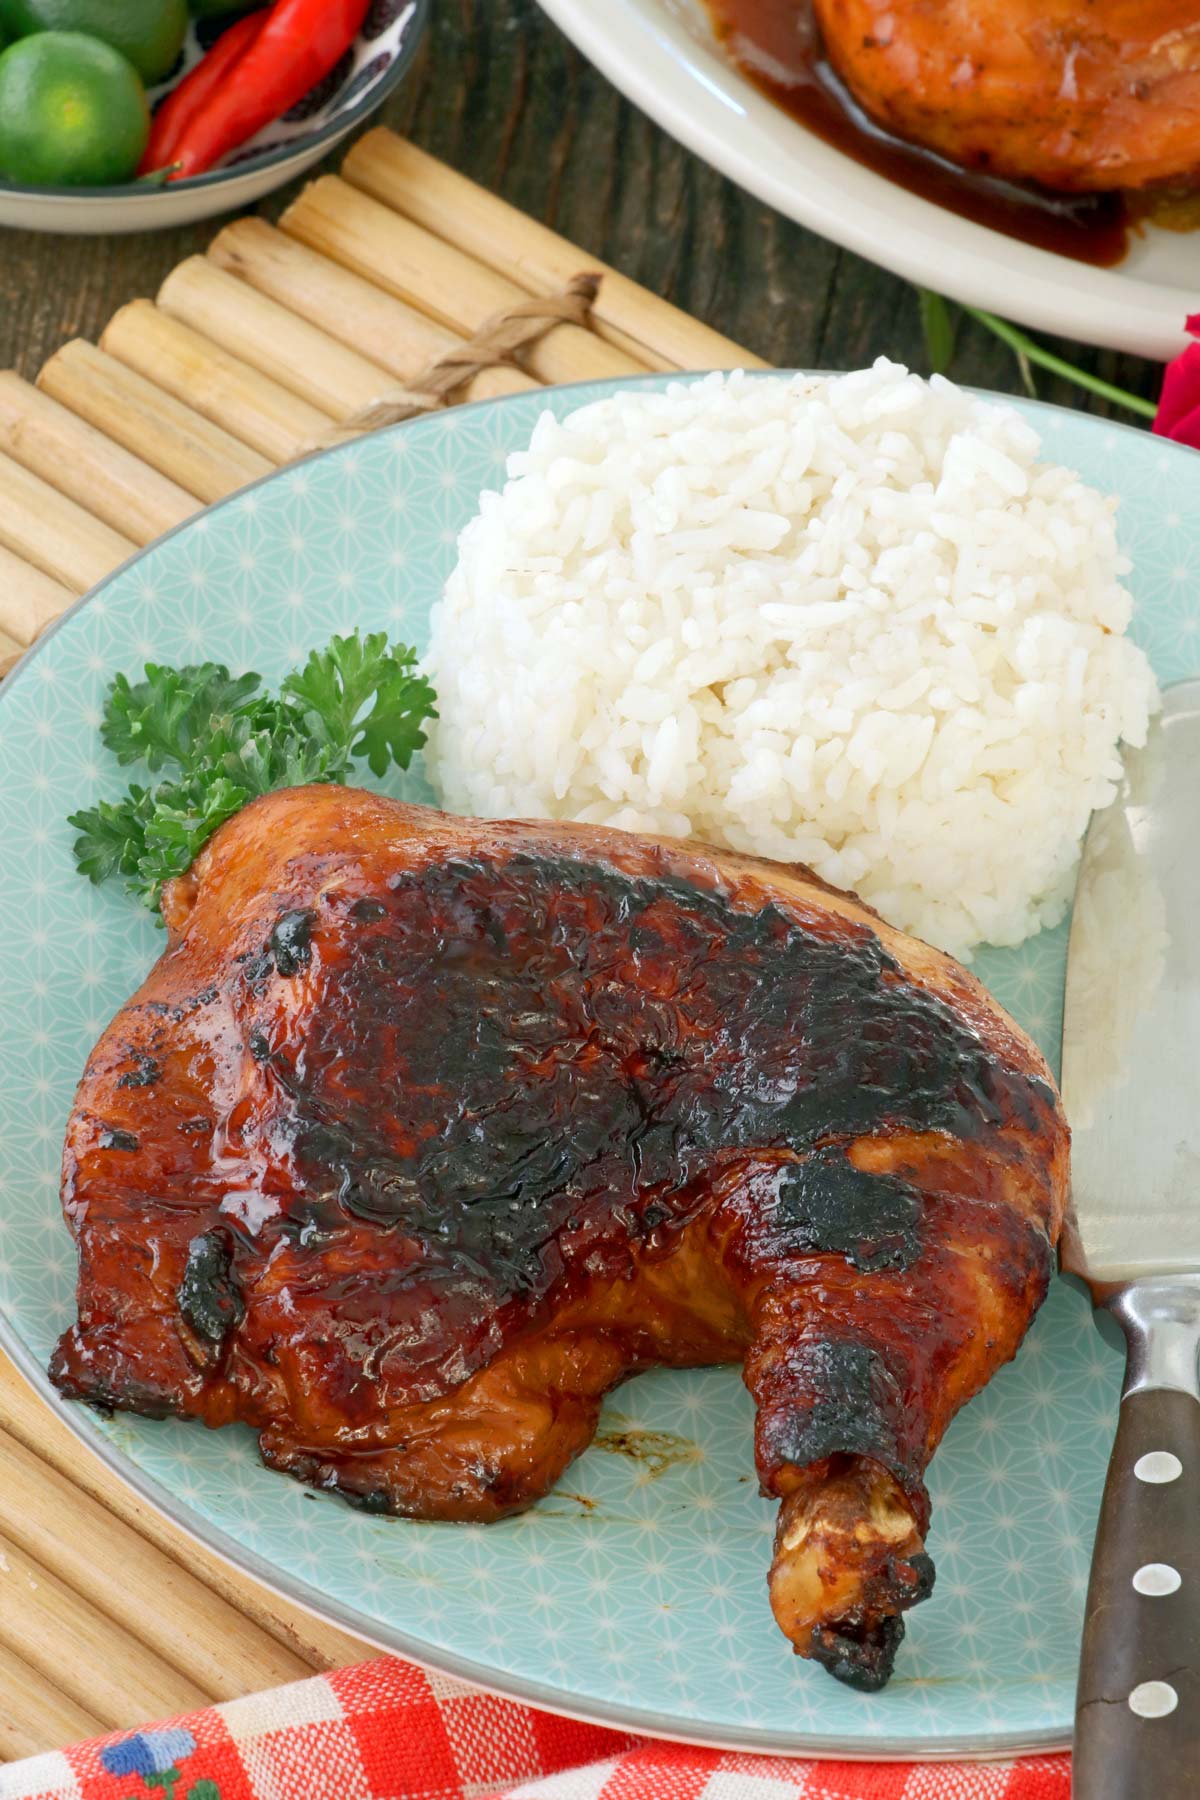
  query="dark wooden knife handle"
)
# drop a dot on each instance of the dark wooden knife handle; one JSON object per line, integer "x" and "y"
{"x": 1137, "y": 1720}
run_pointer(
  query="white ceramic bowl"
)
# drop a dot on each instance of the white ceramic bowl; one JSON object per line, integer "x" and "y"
{"x": 661, "y": 53}
{"x": 374, "y": 67}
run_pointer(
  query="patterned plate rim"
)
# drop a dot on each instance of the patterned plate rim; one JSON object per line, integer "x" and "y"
{"x": 974, "y": 1746}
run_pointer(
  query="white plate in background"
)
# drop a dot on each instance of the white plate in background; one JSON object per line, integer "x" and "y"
{"x": 662, "y": 55}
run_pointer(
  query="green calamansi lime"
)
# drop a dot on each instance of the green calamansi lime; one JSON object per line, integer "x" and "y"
{"x": 149, "y": 32}
{"x": 73, "y": 112}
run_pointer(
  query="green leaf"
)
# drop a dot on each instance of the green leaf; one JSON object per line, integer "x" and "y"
{"x": 393, "y": 731}
{"x": 166, "y": 717}
{"x": 112, "y": 835}
{"x": 937, "y": 325}
{"x": 228, "y": 742}
{"x": 336, "y": 683}
{"x": 204, "y": 1790}
{"x": 263, "y": 763}
{"x": 185, "y": 816}
{"x": 367, "y": 697}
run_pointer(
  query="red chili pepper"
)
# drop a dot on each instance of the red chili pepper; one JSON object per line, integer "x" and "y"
{"x": 182, "y": 106}
{"x": 297, "y": 46}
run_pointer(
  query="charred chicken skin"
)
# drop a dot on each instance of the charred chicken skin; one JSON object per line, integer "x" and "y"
{"x": 425, "y": 1132}
{"x": 1081, "y": 95}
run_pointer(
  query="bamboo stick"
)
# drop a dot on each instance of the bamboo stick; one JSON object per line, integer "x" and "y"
{"x": 443, "y": 201}
{"x": 329, "y": 296}
{"x": 215, "y": 384}
{"x": 288, "y": 349}
{"x": 27, "y": 1418}
{"x": 71, "y": 1644}
{"x": 36, "y": 1716}
{"x": 149, "y": 1594}
{"x": 87, "y": 466}
{"x": 28, "y": 599}
{"x": 202, "y": 458}
{"x": 355, "y": 312}
{"x": 10, "y": 653}
{"x": 45, "y": 528}
{"x": 452, "y": 288}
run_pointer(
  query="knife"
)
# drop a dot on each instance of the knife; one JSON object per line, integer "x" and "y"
{"x": 1131, "y": 1087}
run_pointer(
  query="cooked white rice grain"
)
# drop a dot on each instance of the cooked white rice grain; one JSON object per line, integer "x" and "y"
{"x": 852, "y": 622}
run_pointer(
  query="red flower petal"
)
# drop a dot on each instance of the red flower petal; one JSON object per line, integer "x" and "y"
{"x": 1180, "y": 393}
{"x": 1192, "y": 324}
{"x": 1185, "y": 430}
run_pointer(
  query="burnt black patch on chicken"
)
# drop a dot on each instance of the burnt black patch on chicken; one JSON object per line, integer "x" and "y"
{"x": 210, "y": 1301}
{"x": 145, "y": 1072}
{"x": 291, "y": 942}
{"x": 855, "y": 1404}
{"x": 861, "y": 1657}
{"x": 570, "y": 1049}
{"x": 112, "y": 1137}
{"x": 861, "y": 1651}
{"x": 826, "y": 1203}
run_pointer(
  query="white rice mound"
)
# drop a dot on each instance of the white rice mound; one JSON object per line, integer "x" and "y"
{"x": 850, "y": 622}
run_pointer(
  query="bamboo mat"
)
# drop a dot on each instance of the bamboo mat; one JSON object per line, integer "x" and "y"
{"x": 265, "y": 347}
{"x": 248, "y": 357}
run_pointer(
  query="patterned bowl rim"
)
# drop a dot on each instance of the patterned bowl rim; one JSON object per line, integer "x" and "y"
{"x": 974, "y": 1746}
{"x": 305, "y": 144}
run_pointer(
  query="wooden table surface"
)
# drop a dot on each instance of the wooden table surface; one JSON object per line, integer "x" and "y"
{"x": 500, "y": 94}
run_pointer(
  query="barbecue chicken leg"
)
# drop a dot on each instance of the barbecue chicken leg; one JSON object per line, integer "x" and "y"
{"x": 425, "y": 1132}
{"x": 1072, "y": 94}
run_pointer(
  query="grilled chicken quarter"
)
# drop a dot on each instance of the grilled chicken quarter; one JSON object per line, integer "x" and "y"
{"x": 425, "y": 1132}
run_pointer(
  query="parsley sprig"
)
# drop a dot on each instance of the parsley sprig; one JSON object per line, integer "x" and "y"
{"x": 223, "y": 740}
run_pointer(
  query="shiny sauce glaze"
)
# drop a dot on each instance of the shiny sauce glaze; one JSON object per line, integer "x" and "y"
{"x": 777, "y": 45}
{"x": 511, "y": 1075}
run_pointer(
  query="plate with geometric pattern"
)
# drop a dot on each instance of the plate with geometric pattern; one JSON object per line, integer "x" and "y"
{"x": 634, "y": 1594}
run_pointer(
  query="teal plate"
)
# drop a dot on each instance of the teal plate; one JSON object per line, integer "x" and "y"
{"x": 635, "y": 1594}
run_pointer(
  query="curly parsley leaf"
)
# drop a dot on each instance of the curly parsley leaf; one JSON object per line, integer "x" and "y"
{"x": 263, "y": 761}
{"x": 392, "y": 731}
{"x": 166, "y": 717}
{"x": 367, "y": 696}
{"x": 184, "y": 818}
{"x": 227, "y": 742}
{"x": 112, "y": 835}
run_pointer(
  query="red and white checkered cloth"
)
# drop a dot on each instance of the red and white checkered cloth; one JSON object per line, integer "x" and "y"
{"x": 389, "y": 1731}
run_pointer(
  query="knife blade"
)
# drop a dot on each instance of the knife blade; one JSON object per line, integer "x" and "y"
{"x": 1131, "y": 1088}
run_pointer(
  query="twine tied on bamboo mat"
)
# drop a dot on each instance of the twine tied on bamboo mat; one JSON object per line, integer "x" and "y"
{"x": 499, "y": 339}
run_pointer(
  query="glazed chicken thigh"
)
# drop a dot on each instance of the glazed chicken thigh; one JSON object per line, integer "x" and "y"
{"x": 1072, "y": 94}
{"x": 424, "y": 1132}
